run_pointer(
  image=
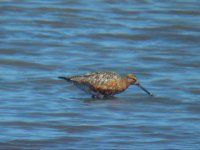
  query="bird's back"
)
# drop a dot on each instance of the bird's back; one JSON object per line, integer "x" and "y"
{"x": 105, "y": 83}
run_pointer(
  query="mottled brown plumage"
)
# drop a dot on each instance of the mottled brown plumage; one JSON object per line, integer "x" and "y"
{"x": 102, "y": 84}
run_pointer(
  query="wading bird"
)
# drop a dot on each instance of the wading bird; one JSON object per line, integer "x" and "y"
{"x": 104, "y": 84}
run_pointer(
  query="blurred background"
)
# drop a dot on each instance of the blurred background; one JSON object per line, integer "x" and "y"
{"x": 156, "y": 40}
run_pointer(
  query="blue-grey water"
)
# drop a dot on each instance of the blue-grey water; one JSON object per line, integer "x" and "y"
{"x": 159, "y": 41}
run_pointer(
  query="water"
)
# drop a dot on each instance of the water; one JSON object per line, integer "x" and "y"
{"x": 156, "y": 40}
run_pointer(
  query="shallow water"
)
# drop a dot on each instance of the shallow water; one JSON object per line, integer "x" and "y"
{"x": 158, "y": 41}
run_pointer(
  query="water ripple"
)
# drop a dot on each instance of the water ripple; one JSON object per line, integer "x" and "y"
{"x": 156, "y": 40}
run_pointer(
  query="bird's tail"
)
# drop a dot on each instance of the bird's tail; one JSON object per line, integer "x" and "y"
{"x": 65, "y": 78}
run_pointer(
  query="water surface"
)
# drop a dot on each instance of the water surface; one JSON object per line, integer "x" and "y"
{"x": 156, "y": 40}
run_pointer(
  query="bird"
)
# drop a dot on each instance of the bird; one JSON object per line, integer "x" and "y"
{"x": 104, "y": 84}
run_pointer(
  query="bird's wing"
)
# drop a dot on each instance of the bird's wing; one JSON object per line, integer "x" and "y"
{"x": 104, "y": 81}
{"x": 100, "y": 80}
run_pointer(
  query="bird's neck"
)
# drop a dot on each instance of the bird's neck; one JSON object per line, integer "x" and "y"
{"x": 125, "y": 82}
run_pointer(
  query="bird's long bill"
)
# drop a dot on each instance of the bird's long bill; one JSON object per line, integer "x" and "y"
{"x": 139, "y": 85}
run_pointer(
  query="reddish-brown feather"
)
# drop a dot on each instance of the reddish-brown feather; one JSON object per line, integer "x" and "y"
{"x": 104, "y": 83}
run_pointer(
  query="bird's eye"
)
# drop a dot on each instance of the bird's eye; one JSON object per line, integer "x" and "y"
{"x": 130, "y": 79}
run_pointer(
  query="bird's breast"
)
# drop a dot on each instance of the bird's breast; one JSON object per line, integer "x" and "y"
{"x": 109, "y": 87}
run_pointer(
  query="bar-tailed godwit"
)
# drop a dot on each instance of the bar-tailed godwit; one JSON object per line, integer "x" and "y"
{"x": 103, "y": 84}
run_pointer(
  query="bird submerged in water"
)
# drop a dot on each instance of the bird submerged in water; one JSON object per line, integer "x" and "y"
{"x": 103, "y": 84}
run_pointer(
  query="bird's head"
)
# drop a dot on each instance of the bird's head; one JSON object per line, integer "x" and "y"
{"x": 131, "y": 79}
